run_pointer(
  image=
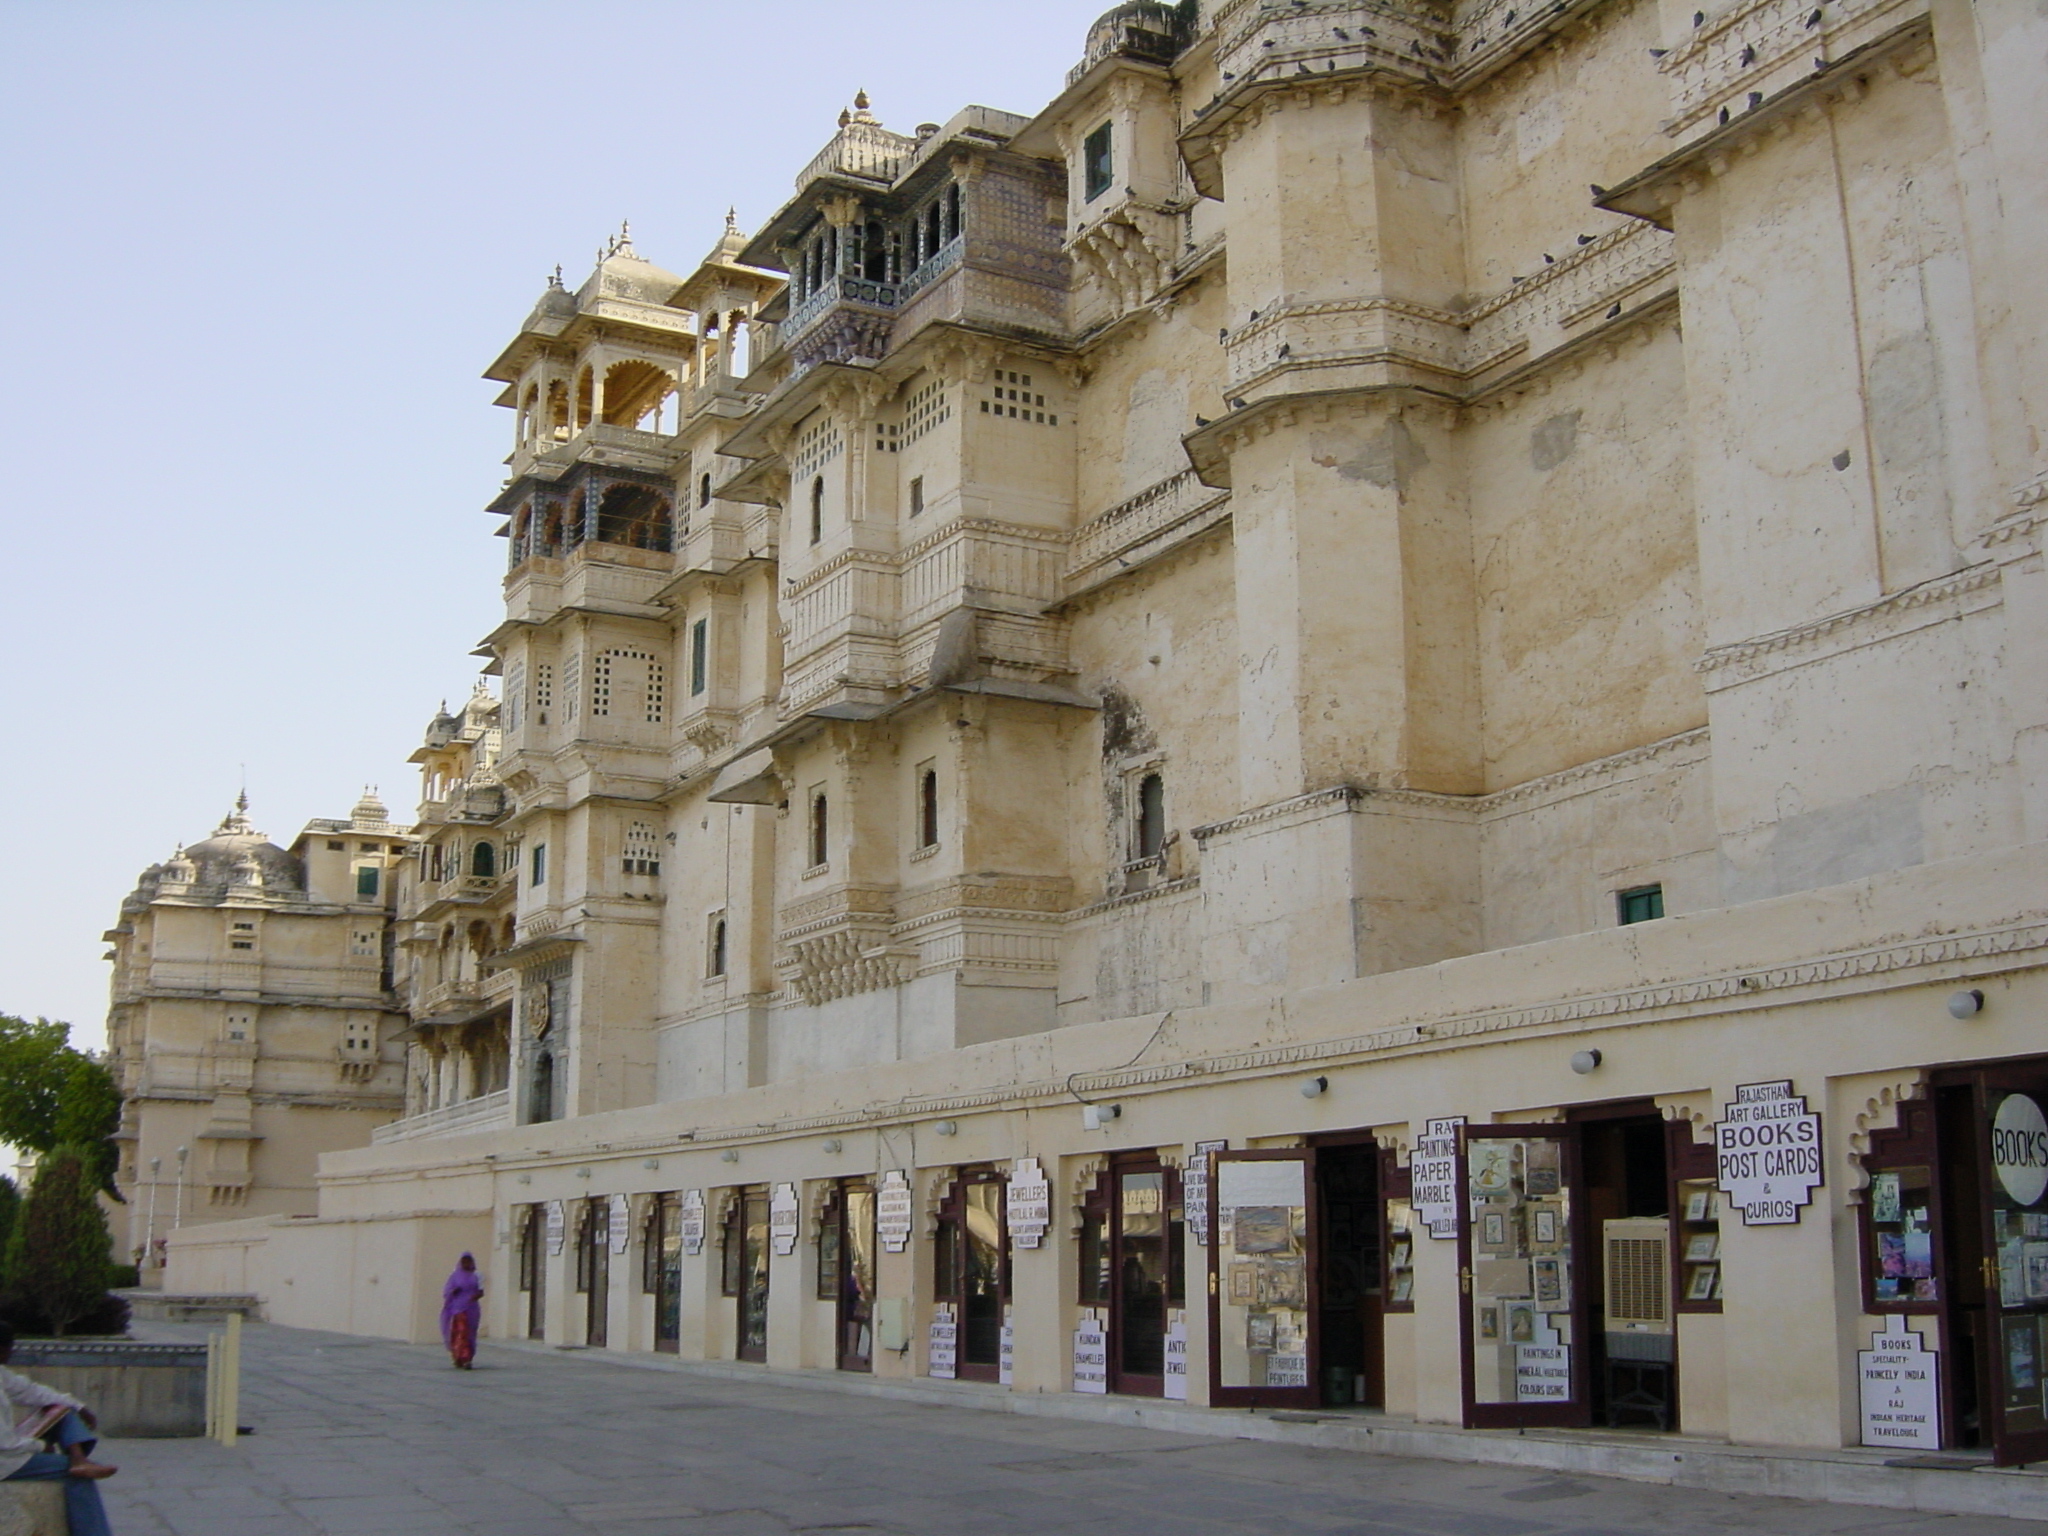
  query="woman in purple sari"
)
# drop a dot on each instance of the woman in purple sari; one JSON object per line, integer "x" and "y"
{"x": 460, "y": 1312}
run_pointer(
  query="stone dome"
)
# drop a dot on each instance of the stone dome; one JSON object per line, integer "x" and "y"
{"x": 237, "y": 854}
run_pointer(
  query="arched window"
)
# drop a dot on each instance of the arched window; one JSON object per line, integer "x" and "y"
{"x": 817, "y": 509}
{"x": 541, "y": 1099}
{"x": 1151, "y": 816}
{"x": 483, "y": 861}
{"x": 821, "y": 829}
{"x": 715, "y": 961}
{"x": 704, "y": 489}
{"x": 928, "y": 808}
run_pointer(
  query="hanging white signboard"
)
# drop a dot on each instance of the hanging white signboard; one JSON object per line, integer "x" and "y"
{"x": 558, "y": 1226}
{"x": 1091, "y": 1356}
{"x": 1027, "y": 1203}
{"x": 782, "y": 1219}
{"x": 1433, "y": 1172}
{"x": 1767, "y": 1153}
{"x": 622, "y": 1224}
{"x": 692, "y": 1224}
{"x": 893, "y": 1211}
{"x": 1194, "y": 1186}
{"x": 1177, "y": 1358}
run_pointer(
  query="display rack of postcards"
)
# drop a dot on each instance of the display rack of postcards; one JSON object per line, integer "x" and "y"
{"x": 1899, "y": 1210}
{"x": 1402, "y": 1234}
{"x": 1699, "y": 1245}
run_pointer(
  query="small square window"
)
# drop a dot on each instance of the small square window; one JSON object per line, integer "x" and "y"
{"x": 241, "y": 944}
{"x": 1097, "y": 163}
{"x": 336, "y": 845}
{"x": 916, "y": 494}
{"x": 369, "y": 847}
{"x": 1643, "y": 904}
{"x": 367, "y": 880}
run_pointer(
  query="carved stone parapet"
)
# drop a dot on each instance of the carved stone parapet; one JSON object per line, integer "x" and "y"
{"x": 1761, "y": 47}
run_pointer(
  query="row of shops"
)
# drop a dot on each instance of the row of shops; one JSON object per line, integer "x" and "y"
{"x": 1835, "y": 1259}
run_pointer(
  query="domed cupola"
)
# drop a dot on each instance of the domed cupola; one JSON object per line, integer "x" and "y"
{"x": 239, "y": 855}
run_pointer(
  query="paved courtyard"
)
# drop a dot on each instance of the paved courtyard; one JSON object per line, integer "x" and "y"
{"x": 362, "y": 1438}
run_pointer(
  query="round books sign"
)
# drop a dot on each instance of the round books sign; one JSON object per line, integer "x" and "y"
{"x": 2019, "y": 1148}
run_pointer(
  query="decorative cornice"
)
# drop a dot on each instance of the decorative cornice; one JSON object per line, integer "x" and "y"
{"x": 1805, "y": 636}
{"x": 1311, "y": 806}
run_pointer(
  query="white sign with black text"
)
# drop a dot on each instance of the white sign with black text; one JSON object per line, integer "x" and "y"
{"x": 1091, "y": 1356}
{"x": 1006, "y": 1369}
{"x": 1543, "y": 1373}
{"x": 1433, "y": 1172}
{"x": 893, "y": 1211}
{"x": 1027, "y": 1203}
{"x": 622, "y": 1224}
{"x": 782, "y": 1220}
{"x": 1177, "y": 1357}
{"x": 558, "y": 1226}
{"x": 1194, "y": 1185}
{"x": 1767, "y": 1153}
{"x": 1901, "y": 1395}
{"x": 943, "y": 1354}
{"x": 691, "y": 1224}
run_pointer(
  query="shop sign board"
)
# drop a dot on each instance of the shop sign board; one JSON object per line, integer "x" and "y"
{"x": 1767, "y": 1153}
{"x": 1091, "y": 1356}
{"x": 1900, "y": 1390}
{"x": 1177, "y": 1358}
{"x": 1027, "y": 1203}
{"x": 558, "y": 1226}
{"x": 943, "y": 1353}
{"x": 1194, "y": 1188}
{"x": 782, "y": 1220}
{"x": 691, "y": 1224}
{"x": 621, "y": 1233}
{"x": 1543, "y": 1373}
{"x": 1006, "y": 1352}
{"x": 1433, "y": 1169}
{"x": 2019, "y": 1148}
{"x": 893, "y": 1211}
{"x": 1287, "y": 1370}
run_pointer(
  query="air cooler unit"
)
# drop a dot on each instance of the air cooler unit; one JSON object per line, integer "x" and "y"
{"x": 1635, "y": 1257}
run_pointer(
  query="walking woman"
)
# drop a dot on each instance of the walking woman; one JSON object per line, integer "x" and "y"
{"x": 460, "y": 1312}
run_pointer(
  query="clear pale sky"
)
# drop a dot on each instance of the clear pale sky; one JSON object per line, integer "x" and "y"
{"x": 255, "y": 256}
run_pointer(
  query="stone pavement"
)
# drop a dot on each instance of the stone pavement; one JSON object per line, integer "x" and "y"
{"x": 358, "y": 1437}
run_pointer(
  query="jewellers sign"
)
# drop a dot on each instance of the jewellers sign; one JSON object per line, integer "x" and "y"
{"x": 1767, "y": 1154}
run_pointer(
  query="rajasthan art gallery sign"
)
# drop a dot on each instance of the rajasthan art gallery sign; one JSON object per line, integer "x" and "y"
{"x": 1767, "y": 1154}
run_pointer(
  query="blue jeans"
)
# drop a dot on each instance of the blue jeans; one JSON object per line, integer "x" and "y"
{"x": 82, "y": 1506}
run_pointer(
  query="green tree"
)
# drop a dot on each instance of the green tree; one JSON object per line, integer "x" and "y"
{"x": 34, "y": 1062}
{"x": 60, "y": 1253}
{"x": 88, "y": 1115}
{"x": 10, "y": 1212}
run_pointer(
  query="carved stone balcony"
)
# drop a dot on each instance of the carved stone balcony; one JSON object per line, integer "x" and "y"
{"x": 487, "y": 1112}
{"x": 847, "y": 319}
{"x": 1156, "y": 519}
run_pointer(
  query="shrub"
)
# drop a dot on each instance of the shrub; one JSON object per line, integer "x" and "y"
{"x": 60, "y": 1254}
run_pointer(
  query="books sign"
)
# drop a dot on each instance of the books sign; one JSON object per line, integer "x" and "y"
{"x": 893, "y": 1211}
{"x": 1900, "y": 1398}
{"x": 1027, "y": 1204}
{"x": 1433, "y": 1170}
{"x": 1767, "y": 1153}
{"x": 782, "y": 1220}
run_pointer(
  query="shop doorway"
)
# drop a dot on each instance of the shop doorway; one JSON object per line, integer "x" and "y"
{"x": 662, "y": 1271}
{"x": 1132, "y": 1266}
{"x": 1263, "y": 1284}
{"x": 1626, "y": 1279}
{"x": 744, "y": 1270}
{"x": 1955, "y": 1238}
{"x": 971, "y": 1269}
{"x": 594, "y": 1270}
{"x": 846, "y": 1271}
{"x": 533, "y": 1268}
{"x": 1347, "y": 1328}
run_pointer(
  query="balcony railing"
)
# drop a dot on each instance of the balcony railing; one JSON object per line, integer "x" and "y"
{"x": 840, "y": 290}
{"x": 1132, "y": 522}
{"x": 867, "y": 150}
{"x": 483, "y": 1113}
{"x": 932, "y": 268}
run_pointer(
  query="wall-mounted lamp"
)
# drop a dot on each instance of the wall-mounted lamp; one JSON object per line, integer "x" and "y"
{"x": 729, "y": 1155}
{"x": 526, "y": 1178}
{"x": 1314, "y": 1087}
{"x": 582, "y": 1173}
{"x": 1095, "y": 1116}
{"x": 834, "y": 1145}
{"x": 650, "y": 1162}
{"x": 1585, "y": 1061}
{"x": 1965, "y": 1005}
{"x": 947, "y": 1127}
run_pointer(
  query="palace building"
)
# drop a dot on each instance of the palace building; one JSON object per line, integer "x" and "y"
{"x": 1353, "y": 722}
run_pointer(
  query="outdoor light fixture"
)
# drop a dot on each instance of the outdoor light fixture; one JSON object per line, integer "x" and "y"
{"x": 526, "y": 1178}
{"x": 1095, "y": 1116}
{"x": 582, "y": 1173}
{"x": 833, "y": 1144}
{"x": 1314, "y": 1087}
{"x": 947, "y": 1127}
{"x": 1585, "y": 1061}
{"x": 729, "y": 1155}
{"x": 650, "y": 1162}
{"x": 1965, "y": 1005}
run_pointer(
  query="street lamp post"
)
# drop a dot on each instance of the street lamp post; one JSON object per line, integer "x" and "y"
{"x": 178, "y": 1211}
{"x": 149, "y": 1239}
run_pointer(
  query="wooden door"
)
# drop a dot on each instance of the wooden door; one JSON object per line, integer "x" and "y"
{"x": 973, "y": 1270}
{"x": 2012, "y": 1150}
{"x": 752, "y": 1234}
{"x": 1144, "y": 1272}
{"x": 854, "y": 1313}
{"x": 1522, "y": 1248}
{"x": 1263, "y": 1285}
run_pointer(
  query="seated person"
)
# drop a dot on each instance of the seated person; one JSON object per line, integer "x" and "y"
{"x": 36, "y": 1414}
